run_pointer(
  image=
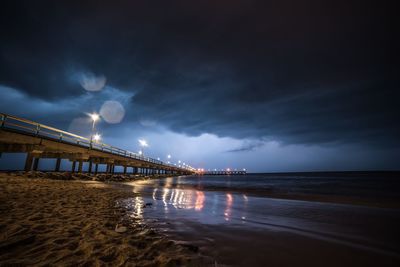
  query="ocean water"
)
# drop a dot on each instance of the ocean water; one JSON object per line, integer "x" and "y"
{"x": 227, "y": 215}
{"x": 357, "y": 184}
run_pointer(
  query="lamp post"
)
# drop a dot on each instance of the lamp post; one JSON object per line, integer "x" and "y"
{"x": 95, "y": 117}
{"x": 143, "y": 143}
{"x": 96, "y": 137}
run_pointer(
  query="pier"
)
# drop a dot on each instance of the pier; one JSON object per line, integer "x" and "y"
{"x": 39, "y": 141}
{"x": 224, "y": 172}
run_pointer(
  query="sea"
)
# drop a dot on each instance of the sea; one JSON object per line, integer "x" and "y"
{"x": 250, "y": 220}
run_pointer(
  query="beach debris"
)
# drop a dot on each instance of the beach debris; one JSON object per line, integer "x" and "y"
{"x": 187, "y": 245}
{"x": 120, "y": 228}
{"x": 103, "y": 177}
{"x": 148, "y": 204}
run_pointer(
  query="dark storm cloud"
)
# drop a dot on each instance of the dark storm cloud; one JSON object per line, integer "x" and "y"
{"x": 248, "y": 146}
{"x": 293, "y": 71}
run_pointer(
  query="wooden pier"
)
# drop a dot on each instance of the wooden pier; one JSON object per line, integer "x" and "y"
{"x": 39, "y": 141}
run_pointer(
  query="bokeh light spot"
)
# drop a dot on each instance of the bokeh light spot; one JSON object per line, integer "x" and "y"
{"x": 112, "y": 111}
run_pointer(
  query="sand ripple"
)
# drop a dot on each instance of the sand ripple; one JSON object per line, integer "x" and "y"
{"x": 51, "y": 222}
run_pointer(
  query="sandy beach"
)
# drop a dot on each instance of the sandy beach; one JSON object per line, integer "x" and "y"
{"x": 55, "y": 222}
{"x": 53, "y": 219}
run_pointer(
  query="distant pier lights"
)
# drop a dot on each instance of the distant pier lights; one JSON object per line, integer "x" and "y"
{"x": 227, "y": 171}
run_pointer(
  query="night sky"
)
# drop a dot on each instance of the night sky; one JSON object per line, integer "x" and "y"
{"x": 265, "y": 85}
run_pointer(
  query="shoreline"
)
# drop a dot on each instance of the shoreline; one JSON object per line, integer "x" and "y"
{"x": 69, "y": 222}
{"x": 332, "y": 199}
{"x": 373, "y": 202}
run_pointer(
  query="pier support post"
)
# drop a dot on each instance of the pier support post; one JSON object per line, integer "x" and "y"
{"x": 58, "y": 163}
{"x": 125, "y": 169}
{"x": 80, "y": 163}
{"x": 96, "y": 168}
{"x": 28, "y": 162}
{"x": 73, "y": 166}
{"x": 36, "y": 164}
{"x": 90, "y": 167}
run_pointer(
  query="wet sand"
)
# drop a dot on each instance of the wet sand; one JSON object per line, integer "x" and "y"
{"x": 275, "y": 246}
{"x": 53, "y": 222}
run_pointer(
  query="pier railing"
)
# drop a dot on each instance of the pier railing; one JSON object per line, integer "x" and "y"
{"x": 41, "y": 130}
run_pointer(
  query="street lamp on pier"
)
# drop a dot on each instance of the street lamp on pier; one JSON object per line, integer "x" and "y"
{"x": 95, "y": 117}
{"x": 96, "y": 137}
{"x": 143, "y": 143}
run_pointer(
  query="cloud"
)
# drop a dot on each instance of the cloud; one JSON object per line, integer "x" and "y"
{"x": 298, "y": 75}
{"x": 91, "y": 82}
{"x": 67, "y": 113}
{"x": 248, "y": 146}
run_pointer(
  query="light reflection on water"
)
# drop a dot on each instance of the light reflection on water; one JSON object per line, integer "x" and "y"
{"x": 179, "y": 198}
{"x": 165, "y": 204}
{"x": 228, "y": 211}
{"x": 134, "y": 206}
{"x": 193, "y": 204}
{"x": 169, "y": 201}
